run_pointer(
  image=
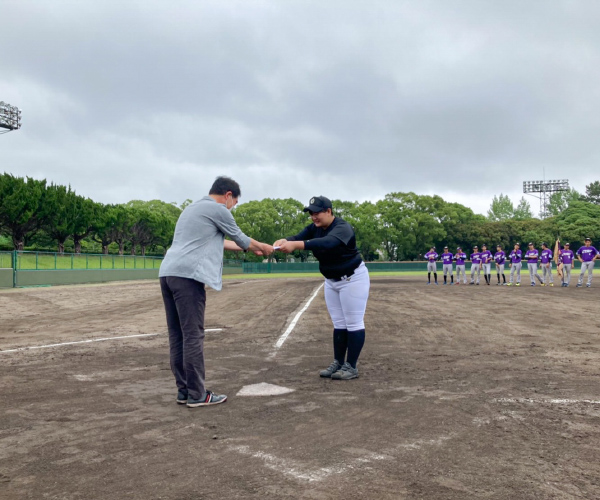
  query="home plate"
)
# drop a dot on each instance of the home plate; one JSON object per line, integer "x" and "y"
{"x": 263, "y": 389}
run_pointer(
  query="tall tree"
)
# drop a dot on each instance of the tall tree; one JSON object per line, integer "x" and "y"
{"x": 59, "y": 214}
{"x": 501, "y": 209}
{"x": 523, "y": 210}
{"x": 592, "y": 192}
{"x": 103, "y": 227}
{"x": 84, "y": 215}
{"x": 560, "y": 201}
{"x": 21, "y": 201}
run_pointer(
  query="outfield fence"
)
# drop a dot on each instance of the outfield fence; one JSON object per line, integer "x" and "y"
{"x": 26, "y": 268}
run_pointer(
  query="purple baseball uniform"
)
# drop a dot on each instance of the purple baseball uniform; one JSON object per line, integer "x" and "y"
{"x": 476, "y": 258}
{"x": 431, "y": 256}
{"x": 566, "y": 256}
{"x": 486, "y": 257}
{"x": 532, "y": 256}
{"x": 546, "y": 256}
{"x": 515, "y": 256}
{"x": 447, "y": 258}
{"x": 587, "y": 254}
{"x": 500, "y": 257}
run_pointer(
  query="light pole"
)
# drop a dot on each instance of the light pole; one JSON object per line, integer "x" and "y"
{"x": 10, "y": 117}
{"x": 544, "y": 188}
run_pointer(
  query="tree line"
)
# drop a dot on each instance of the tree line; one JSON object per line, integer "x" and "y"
{"x": 402, "y": 226}
{"x": 43, "y": 216}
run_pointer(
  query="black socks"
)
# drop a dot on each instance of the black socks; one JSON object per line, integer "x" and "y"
{"x": 356, "y": 341}
{"x": 340, "y": 345}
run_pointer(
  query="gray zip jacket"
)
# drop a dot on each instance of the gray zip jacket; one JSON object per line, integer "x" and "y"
{"x": 197, "y": 249}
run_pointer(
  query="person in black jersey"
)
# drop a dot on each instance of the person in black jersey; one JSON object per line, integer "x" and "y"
{"x": 333, "y": 243}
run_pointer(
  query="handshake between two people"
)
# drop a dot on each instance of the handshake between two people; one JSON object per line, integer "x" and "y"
{"x": 258, "y": 248}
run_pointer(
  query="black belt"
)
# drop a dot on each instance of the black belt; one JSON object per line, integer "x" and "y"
{"x": 346, "y": 277}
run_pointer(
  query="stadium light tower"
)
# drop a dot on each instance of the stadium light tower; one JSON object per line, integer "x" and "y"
{"x": 543, "y": 190}
{"x": 10, "y": 117}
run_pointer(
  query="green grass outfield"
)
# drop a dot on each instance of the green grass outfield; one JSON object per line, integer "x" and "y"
{"x": 319, "y": 275}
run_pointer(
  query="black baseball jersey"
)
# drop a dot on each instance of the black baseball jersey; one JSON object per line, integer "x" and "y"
{"x": 334, "y": 247}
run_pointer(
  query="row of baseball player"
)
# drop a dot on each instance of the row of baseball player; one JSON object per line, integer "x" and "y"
{"x": 483, "y": 260}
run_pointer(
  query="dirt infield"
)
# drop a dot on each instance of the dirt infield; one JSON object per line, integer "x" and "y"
{"x": 464, "y": 392}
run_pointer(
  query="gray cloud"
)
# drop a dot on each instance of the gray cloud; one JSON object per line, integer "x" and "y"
{"x": 465, "y": 99}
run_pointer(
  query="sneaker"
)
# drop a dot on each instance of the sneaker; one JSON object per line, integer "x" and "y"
{"x": 578, "y": 285}
{"x": 436, "y": 282}
{"x": 588, "y": 286}
{"x": 533, "y": 284}
{"x": 444, "y": 283}
{"x": 330, "y": 370}
{"x": 518, "y": 284}
{"x": 508, "y": 284}
{"x": 551, "y": 284}
{"x": 210, "y": 399}
{"x": 542, "y": 284}
{"x": 182, "y": 397}
{"x": 429, "y": 283}
{"x": 345, "y": 373}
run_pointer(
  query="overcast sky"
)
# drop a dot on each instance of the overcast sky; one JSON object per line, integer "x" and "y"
{"x": 350, "y": 99}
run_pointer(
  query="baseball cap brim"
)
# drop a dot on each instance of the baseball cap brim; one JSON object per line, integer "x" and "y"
{"x": 313, "y": 208}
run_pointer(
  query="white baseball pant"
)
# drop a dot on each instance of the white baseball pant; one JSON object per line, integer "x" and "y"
{"x": 347, "y": 300}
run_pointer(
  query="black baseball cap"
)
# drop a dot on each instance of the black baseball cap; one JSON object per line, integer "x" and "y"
{"x": 318, "y": 204}
{"x": 545, "y": 244}
{"x": 445, "y": 248}
{"x": 458, "y": 248}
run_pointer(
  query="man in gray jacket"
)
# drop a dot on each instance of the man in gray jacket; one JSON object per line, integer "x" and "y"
{"x": 194, "y": 260}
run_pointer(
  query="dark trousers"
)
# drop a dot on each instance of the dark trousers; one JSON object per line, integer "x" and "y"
{"x": 185, "y": 302}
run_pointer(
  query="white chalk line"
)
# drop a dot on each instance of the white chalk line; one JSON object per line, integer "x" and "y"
{"x": 302, "y": 472}
{"x": 92, "y": 340}
{"x": 549, "y": 401}
{"x": 291, "y": 326}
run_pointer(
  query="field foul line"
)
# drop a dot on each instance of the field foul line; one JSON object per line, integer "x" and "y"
{"x": 300, "y": 471}
{"x": 93, "y": 340}
{"x": 304, "y": 472}
{"x": 549, "y": 401}
{"x": 291, "y": 326}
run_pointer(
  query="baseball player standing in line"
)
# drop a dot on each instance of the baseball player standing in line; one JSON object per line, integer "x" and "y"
{"x": 431, "y": 257}
{"x": 515, "y": 265}
{"x": 475, "y": 265}
{"x": 447, "y": 265}
{"x": 546, "y": 263}
{"x": 460, "y": 258}
{"x": 532, "y": 256}
{"x": 347, "y": 283}
{"x": 500, "y": 257}
{"x": 486, "y": 259}
{"x": 586, "y": 255}
{"x": 566, "y": 257}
